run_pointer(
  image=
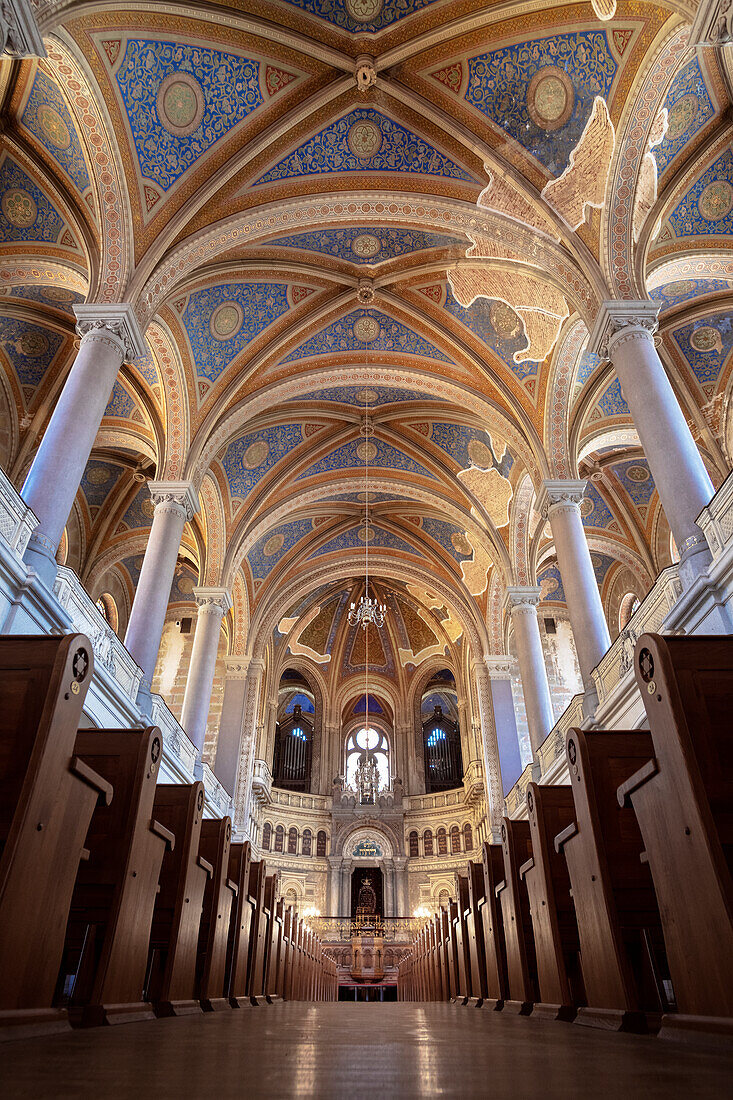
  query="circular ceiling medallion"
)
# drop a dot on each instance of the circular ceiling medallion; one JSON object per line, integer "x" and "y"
{"x": 367, "y": 397}
{"x": 480, "y": 454}
{"x": 186, "y": 585}
{"x": 364, "y": 138}
{"x": 19, "y": 208}
{"x": 366, "y": 329}
{"x": 180, "y": 104}
{"x": 637, "y": 474}
{"x": 226, "y": 321}
{"x": 364, "y": 11}
{"x": 460, "y": 543}
{"x": 366, "y": 245}
{"x": 363, "y": 497}
{"x": 256, "y": 454}
{"x": 504, "y": 321}
{"x": 550, "y": 98}
{"x": 586, "y": 506}
{"x": 716, "y": 200}
{"x": 366, "y": 534}
{"x": 681, "y": 115}
{"x": 98, "y": 475}
{"x": 273, "y": 544}
{"x": 366, "y": 451}
{"x": 705, "y": 338}
{"x": 57, "y": 294}
{"x": 148, "y": 508}
{"x": 682, "y": 286}
{"x": 53, "y": 127}
{"x": 33, "y": 344}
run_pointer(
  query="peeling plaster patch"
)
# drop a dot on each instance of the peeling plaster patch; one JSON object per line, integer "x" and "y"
{"x": 294, "y": 646}
{"x": 475, "y": 570}
{"x": 646, "y": 188}
{"x": 452, "y": 627}
{"x": 584, "y": 181}
{"x": 492, "y": 491}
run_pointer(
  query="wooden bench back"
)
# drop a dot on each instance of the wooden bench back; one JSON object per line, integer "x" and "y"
{"x": 516, "y": 844}
{"x": 492, "y": 859}
{"x": 216, "y": 837}
{"x": 240, "y": 855}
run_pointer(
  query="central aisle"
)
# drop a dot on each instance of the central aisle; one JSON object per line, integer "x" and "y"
{"x": 357, "y": 1051}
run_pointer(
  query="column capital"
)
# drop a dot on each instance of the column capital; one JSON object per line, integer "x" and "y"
{"x": 620, "y": 321}
{"x": 712, "y": 25}
{"x": 500, "y": 666}
{"x": 237, "y": 668}
{"x": 557, "y": 493}
{"x": 213, "y": 599}
{"x": 180, "y": 493}
{"x": 19, "y": 33}
{"x": 522, "y": 598}
{"x": 101, "y": 321}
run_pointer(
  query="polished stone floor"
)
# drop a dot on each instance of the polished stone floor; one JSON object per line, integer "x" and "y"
{"x": 354, "y": 1051}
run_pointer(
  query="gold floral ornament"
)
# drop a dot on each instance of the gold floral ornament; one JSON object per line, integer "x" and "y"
{"x": 180, "y": 104}
{"x": 256, "y": 454}
{"x": 715, "y": 200}
{"x": 364, "y": 139}
{"x": 19, "y": 208}
{"x": 273, "y": 545}
{"x": 364, "y": 11}
{"x": 706, "y": 339}
{"x": 550, "y": 98}
{"x": 366, "y": 329}
{"x": 226, "y": 321}
{"x": 366, "y": 245}
{"x": 53, "y": 127}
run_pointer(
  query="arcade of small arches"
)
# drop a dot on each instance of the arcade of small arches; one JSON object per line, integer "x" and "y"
{"x": 235, "y": 269}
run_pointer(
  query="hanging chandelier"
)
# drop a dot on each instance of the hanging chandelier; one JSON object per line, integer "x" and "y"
{"x": 368, "y": 610}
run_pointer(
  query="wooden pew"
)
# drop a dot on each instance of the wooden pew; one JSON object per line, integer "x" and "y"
{"x": 219, "y": 896}
{"x": 463, "y": 958}
{"x": 445, "y": 950}
{"x": 108, "y": 932}
{"x": 291, "y": 981}
{"x": 518, "y": 934}
{"x": 47, "y": 795}
{"x": 171, "y": 985}
{"x": 272, "y": 936}
{"x": 621, "y": 943}
{"x": 560, "y": 979}
{"x": 477, "y": 949}
{"x": 441, "y": 984}
{"x": 452, "y": 951}
{"x": 239, "y": 926}
{"x": 497, "y": 982}
{"x": 434, "y": 962}
{"x": 682, "y": 796}
{"x": 286, "y": 954}
{"x": 257, "y": 934}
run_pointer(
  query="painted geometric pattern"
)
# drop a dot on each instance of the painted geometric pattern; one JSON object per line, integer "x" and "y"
{"x": 215, "y": 92}
{"x": 707, "y": 208}
{"x": 477, "y": 318}
{"x": 146, "y": 368}
{"x": 120, "y": 405}
{"x": 636, "y": 479}
{"x": 25, "y": 212}
{"x": 688, "y": 109}
{"x": 344, "y": 335}
{"x": 449, "y": 536}
{"x": 183, "y": 585}
{"x": 248, "y": 458}
{"x": 140, "y": 511}
{"x": 612, "y": 403}
{"x": 99, "y": 480}
{"x": 360, "y": 16}
{"x": 365, "y": 245}
{"x": 48, "y": 119}
{"x": 550, "y": 582}
{"x": 470, "y": 447}
{"x": 30, "y": 348}
{"x": 588, "y": 363}
{"x": 365, "y": 140}
{"x": 683, "y": 289}
{"x": 351, "y": 540}
{"x": 500, "y": 85}
{"x": 594, "y": 510}
{"x": 268, "y": 550}
{"x": 601, "y": 565}
{"x": 373, "y": 396}
{"x": 706, "y": 345}
{"x": 221, "y": 320}
{"x": 374, "y": 498}
{"x": 59, "y": 297}
{"x": 349, "y": 457}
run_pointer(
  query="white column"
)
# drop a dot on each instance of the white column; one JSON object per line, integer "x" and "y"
{"x": 401, "y": 898}
{"x": 229, "y": 740}
{"x": 494, "y": 794}
{"x": 522, "y": 606}
{"x": 334, "y": 886}
{"x": 500, "y": 669}
{"x": 559, "y": 501}
{"x": 624, "y": 332}
{"x": 110, "y": 336}
{"x": 246, "y": 747}
{"x": 175, "y": 503}
{"x": 213, "y": 604}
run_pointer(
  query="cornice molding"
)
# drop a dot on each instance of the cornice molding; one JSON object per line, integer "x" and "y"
{"x": 619, "y": 320}
{"x": 95, "y": 320}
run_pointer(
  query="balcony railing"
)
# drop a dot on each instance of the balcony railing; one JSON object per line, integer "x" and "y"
{"x": 17, "y": 522}
{"x": 262, "y": 783}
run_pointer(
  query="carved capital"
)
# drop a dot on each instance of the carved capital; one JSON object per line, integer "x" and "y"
{"x": 97, "y": 321}
{"x": 19, "y": 30}
{"x": 713, "y": 24}
{"x": 179, "y": 495}
{"x": 500, "y": 666}
{"x": 213, "y": 600}
{"x": 556, "y": 494}
{"x": 522, "y": 599}
{"x": 237, "y": 667}
{"x": 620, "y": 321}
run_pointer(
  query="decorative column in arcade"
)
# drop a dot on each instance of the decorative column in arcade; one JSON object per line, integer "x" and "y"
{"x": 110, "y": 336}
{"x": 521, "y": 603}
{"x": 213, "y": 604}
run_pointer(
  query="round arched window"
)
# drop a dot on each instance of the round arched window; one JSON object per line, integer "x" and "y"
{"x": 628, "y": 606}
{"x": 108, "y": 609}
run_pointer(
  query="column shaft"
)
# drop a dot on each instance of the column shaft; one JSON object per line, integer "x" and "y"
{"x": 213, "y": 604}
{"x": 174, "y": 504}
{"x": 502, "y": 701}
{"x": 523, "y": 604}
{"x": 231, "y": 723}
